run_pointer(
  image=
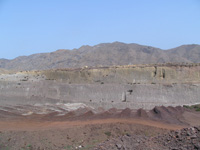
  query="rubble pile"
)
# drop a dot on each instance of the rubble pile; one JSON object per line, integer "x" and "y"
{"x": 184, "y": 139}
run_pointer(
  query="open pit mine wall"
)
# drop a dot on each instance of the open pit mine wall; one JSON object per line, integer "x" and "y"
{"x": 128, "y": 75}
{"x": 133, "y": 87}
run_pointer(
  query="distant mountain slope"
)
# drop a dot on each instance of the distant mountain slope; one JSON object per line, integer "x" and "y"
{"x": 105, "y": 54}
{"x": 189, "y": 52}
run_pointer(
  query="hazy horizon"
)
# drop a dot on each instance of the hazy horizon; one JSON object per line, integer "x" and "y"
{"x": 91, "y": 46}
{"x": 29, "y": 27}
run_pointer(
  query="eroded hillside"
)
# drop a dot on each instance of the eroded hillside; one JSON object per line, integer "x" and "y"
{"x": 105, "y": 54}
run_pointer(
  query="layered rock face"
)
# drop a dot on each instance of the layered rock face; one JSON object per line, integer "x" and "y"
{"x": 132, "y": 74}
{"x": 135, "y": 86}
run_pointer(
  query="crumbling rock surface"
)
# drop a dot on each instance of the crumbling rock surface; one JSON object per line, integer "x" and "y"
{"x": 184, "y": 139}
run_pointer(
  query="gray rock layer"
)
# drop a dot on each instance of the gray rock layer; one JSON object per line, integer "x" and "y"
{"x": 106, "y": 96}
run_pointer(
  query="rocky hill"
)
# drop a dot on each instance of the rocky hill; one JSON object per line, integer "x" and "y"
{"x": 106, "y": 54}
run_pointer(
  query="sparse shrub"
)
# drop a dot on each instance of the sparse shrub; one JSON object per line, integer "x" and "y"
{"x": 108, "y": 133}
{"x": 185, "y": 106}
{"x": 68, "y": 147}
{"x": 193, "y": 107}
{"x": 29, "y": 147}
{"x": 197, "y": 109}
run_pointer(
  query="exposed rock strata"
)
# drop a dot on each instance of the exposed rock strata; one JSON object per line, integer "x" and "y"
{"x": 121, "y": 86}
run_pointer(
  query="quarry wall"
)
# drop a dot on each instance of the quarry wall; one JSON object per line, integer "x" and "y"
{"x": 133, "y": 87}
{"x": 128, "y": 74}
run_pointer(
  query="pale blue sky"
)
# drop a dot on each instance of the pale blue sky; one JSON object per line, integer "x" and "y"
{"x": 37, "y": 26}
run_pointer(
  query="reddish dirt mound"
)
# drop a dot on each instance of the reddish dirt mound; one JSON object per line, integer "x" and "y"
{"x": 126, "y": 113}
{"x": 168, "y": 114}
{"x": 7, "y": 115}
{"x": 84, "y": 127}
{"x": 172, "y": 115}
{"x": 141, "y": 113}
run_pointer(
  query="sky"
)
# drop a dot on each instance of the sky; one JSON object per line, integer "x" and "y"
{"x": 39, "y": 26}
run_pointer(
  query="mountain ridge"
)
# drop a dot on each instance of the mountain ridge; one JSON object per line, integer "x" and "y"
{"x": 104, "y": 54}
